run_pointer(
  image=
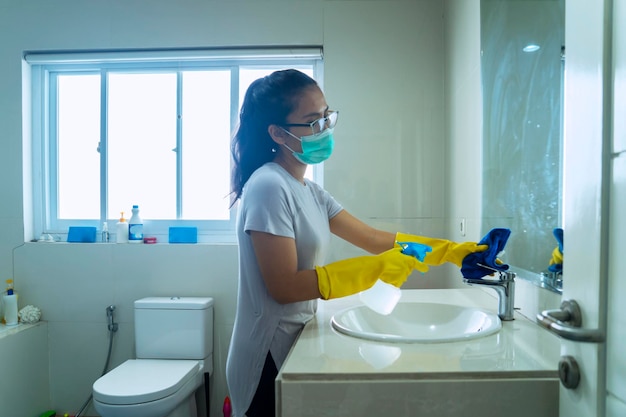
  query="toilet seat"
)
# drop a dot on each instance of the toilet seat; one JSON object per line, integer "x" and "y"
{"x": 138, "y": 381}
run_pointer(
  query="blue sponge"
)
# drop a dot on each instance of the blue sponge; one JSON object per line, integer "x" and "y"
{"x": 82, "y": 234}
{"x": 183, "y": 235}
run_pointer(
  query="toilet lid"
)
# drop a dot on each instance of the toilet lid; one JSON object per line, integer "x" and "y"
{"x": 142, "y": 380}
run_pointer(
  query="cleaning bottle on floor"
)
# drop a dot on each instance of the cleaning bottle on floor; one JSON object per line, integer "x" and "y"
{"x": 227, "y": 408}
{"x": 9, "y": 299}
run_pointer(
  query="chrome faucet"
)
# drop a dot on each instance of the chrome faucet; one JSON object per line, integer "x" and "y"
{"x": 505, "y": 287}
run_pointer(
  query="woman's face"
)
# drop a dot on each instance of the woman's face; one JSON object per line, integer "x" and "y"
{"x": 310, "y": 107}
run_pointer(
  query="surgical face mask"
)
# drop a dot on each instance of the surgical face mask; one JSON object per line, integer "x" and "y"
{"x": 315, "y": 148}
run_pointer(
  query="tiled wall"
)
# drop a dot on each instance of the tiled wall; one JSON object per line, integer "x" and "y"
{"x": 24, "y": 385}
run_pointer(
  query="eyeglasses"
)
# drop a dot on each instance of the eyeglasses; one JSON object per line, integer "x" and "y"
{"x": 319, "y": 125}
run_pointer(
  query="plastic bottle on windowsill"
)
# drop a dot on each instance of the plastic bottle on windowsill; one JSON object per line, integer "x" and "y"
{"x": 105, "y": 232}
{"x": 121, "y": 230}
{"x": 135, "y": 227}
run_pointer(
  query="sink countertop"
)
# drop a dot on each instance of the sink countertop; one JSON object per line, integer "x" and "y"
{"x": 521, "y": 349}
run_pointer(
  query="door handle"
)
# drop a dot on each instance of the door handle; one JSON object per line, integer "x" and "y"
{"x": 566, "y": 322}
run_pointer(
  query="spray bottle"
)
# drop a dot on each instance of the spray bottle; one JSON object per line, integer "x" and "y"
{"x": 383, "y": 297}
{"x": 105, "y": 232}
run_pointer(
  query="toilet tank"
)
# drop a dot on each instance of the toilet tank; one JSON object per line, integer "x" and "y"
{"x": 174, "y": 327}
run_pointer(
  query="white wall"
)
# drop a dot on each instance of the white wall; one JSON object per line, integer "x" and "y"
{"x": 384, "y": 69}
{"x": 463, "y": 123}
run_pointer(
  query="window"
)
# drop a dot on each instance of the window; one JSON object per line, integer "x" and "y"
{"x": 150, "y": 128}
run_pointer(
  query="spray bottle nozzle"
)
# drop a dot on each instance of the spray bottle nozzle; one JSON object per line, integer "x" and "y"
{"x": 418, "y": 250}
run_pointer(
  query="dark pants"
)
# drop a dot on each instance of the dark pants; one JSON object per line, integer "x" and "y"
{"x": 263, "y": 404}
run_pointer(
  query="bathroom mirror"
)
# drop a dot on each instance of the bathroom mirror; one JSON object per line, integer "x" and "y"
{"x": 522, "y": 62}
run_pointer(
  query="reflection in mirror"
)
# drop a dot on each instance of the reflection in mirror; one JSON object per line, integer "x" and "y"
{"x": 522, "y": 56}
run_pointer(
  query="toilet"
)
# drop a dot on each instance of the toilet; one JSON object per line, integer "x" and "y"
{"x": 174, "y": 350}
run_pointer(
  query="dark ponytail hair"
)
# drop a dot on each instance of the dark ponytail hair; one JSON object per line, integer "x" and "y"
{"x": 268, "y": 100}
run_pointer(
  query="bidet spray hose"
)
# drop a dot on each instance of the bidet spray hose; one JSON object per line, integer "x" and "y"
{"x": 112, "y": 326}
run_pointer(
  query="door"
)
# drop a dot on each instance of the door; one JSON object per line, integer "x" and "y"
{"x": 616, "y": 318}
{"x": 592, "y": 246}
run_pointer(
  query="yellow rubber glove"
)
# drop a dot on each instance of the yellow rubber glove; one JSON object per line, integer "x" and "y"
{"x": 557, "y": 257}
{"x": 353, "y": 275}
{"x": 443, "y": 250}
{"x": 556, "y": 262}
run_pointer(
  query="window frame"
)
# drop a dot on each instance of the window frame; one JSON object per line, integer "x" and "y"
{"x": 45, "y": 67}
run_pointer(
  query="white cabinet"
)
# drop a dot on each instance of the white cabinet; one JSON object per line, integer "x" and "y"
{"x": 509, "y": 373}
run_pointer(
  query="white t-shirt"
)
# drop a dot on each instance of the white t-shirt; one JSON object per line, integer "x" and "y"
{"x": 273, "y": 202}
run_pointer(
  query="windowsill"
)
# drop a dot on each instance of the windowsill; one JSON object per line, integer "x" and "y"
{"x": 203, "y": 239}
{"x": 57, "y": 243}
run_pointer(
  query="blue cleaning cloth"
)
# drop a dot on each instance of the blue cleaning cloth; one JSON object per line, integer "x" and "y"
{"x": 558, "y": 235}
{"x": 418, "y": 250}
{"x": 496, "y": 241}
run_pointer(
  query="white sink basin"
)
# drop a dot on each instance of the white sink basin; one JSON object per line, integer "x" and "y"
{"x": 417, "y": 323}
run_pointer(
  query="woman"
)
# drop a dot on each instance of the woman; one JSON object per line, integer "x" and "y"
{"x": 284, "y": 227}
